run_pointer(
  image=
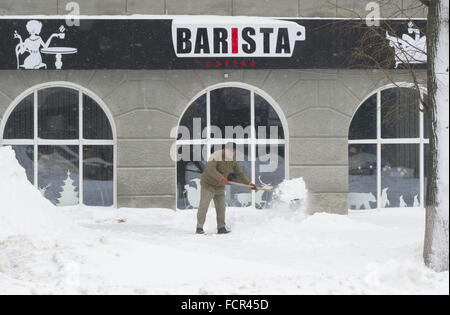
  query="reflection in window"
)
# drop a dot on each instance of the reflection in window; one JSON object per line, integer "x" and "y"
{"x": 399, "y": 113}
{"x": 231, "y": 106}
{"x": 20, "y": 123}
{"x": 98, "y": 170}
{"x": 58, "y": 146}
{"x": 58, "y": 113}
{"x": 400, "y": 176}
{"x": 194, "y": 114}
{"x": 189, "y": 171}
{"x": 270, "y": 172}
{"x": 364, "y": 123}
{"x": 426, "y": 124}
{"x": 426, "y": 170}
{"x": 58, "y": 174}
{"x": 265, "y": 116}
{"x": 362, "y": 176}
{"x": 394, "y": 154}
{"x": 95, "y": 123}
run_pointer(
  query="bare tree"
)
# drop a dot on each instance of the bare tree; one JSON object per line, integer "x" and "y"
{"x": 373, "y": 52}
{"x": 436, "y": 249}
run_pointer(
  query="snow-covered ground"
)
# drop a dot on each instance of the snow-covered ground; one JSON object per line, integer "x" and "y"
{"x": 155, "y": 251}
{"x": 80, "y": 250}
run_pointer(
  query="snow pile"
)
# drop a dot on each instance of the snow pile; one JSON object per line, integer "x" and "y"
{"x": 292, "y": 192}
{"x": 23, "y": 211}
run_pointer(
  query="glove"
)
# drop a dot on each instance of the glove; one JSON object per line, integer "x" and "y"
{"x": 224, "y": 181}
{"x": 253, "y": 186}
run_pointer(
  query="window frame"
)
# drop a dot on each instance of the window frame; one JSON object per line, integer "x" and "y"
{"x": 379, "y": 141}
{"x": 80, "y": 142}
{"x": 252, "y": 141}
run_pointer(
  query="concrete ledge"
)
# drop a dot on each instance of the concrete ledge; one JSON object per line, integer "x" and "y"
{"x": 215, "y": 7}
{"x": 147, "y": 202}
{"x": 266, "y": 7}
{"x": 145, "y": 153}
{"x": 285, "y": 8}
{"x": 318, "y": 8}
{"x": 318, "y": 151}
{"x": 145, "y": 6}
{"x": 146, "y": 181}
{"x": 104, "y": 82}
{"x": 320, "y": 122}
{"x": 329, "y": 202}
{"x": 4, "y": 103}
{"x": 164, "y": 96}
{"x": 12, "y": 83}
{"x": 18, "y": 7}
{"x": 127, "y": 97}
{"x": 92, "y": 7}
{"x": 323, "y": 179}
{"x": 146, "y": 124}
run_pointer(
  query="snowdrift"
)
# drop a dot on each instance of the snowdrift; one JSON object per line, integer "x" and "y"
{"x": 23, "y": 211}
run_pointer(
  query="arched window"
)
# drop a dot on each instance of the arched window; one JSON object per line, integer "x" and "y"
{"x": 64, "y": 139}
{"x": 241, "y": 114}
{"x": 388, "y": 145}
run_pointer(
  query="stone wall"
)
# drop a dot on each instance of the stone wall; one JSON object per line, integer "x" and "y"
{"x": 146, "y": 105}
{"x": 286, "y": 8}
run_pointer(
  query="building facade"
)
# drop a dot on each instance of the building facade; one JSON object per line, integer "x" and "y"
{"x": 103, "y": 135}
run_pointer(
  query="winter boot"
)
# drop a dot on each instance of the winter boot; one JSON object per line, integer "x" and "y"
{"x": 223, "y": 231}
{"x": 200, "y": 231}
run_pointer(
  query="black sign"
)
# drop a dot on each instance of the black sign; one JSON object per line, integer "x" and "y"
{"x": 210, "y": 43}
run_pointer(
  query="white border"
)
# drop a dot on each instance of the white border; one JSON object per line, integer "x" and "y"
{"x": 379, "y": 141}
{"x": 80, "y": 142}
{"x": 252, "y": 141}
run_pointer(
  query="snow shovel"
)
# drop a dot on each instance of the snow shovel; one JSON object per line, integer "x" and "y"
{"x": 250, "y": 187}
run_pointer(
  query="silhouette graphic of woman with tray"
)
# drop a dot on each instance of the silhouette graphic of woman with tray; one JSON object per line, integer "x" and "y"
{"x": 32, "y": 45}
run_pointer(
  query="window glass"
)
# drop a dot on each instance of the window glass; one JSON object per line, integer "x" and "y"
{"x": 25, "y": 157}
{"x": 58, "y": 174}
{"x": 196, "y": 113}
{"x": 400, "y": 175}
{"x": 364, "y": 123}
{"x": 265, "y": 118}
{"x": 426, "y": 124}
{"x": 189, "y": 171}
{"x": 58, "y": 113}
{"x": 57, "y": 165}
{"x": 95, "y": 122}
{"x": 231, "y": 107}
{"x": 427, "y": 160}
{"x": 362, "y": 176}
{"x": 269, "y": 172}
{"x": 20, "y": 124}
{"x": 400, "y": 113}
{"x": 98, "y": 170}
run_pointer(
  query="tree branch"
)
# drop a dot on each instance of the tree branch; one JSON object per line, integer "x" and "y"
{"x": 425, "y": 2}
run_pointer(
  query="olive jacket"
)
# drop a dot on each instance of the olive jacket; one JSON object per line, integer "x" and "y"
{"x": 219, "y": 167}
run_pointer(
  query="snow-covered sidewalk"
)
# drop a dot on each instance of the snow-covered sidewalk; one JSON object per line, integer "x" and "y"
{"x": 78, "y": 250}
{"x": 268, "y": 252}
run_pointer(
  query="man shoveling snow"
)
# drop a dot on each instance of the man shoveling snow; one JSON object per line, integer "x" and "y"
{"x": 213, "y": 182}
{"x": 215, "y": 177}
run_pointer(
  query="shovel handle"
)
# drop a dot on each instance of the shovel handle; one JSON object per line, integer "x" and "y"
{"x": 248, "y": 186}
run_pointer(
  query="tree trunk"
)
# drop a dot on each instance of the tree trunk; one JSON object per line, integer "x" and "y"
{"x": 436, "y": 249}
